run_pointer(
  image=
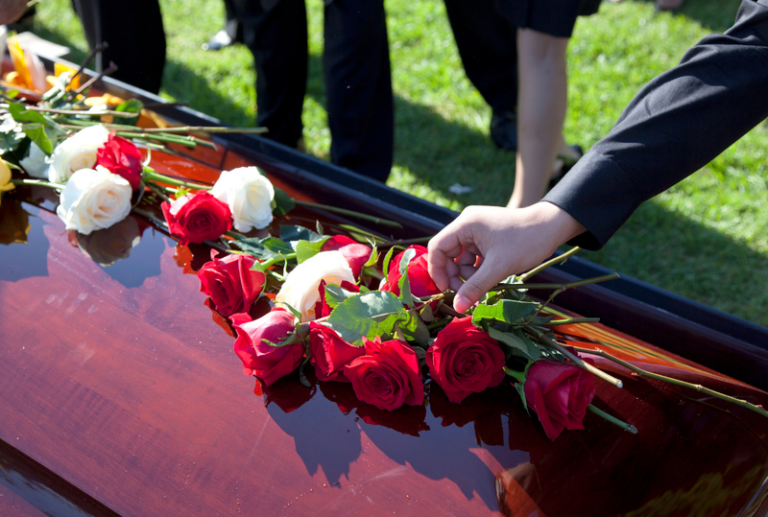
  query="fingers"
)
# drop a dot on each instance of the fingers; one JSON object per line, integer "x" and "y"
{"x": 442, "y": 249}
{"x": 483, "y": 279}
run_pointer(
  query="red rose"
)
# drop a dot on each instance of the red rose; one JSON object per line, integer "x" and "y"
{"x": 464, "y": 359}
{"x": 197, "y": 218}
{"x": 559, "y": 393}
{"x": 121, "y": 157}
{"x": 231, "y": 283}
{"x": 261, "y": 359}
{"x": 356, "y": 254}
{"x": 388, "y": 376}
{"x": 418, "y": 274}
{"x": 330, "y": 353}
{"x": 322, "y": 309}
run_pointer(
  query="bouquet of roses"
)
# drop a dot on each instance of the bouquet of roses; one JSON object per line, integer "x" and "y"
{"x": 384, "y": 331}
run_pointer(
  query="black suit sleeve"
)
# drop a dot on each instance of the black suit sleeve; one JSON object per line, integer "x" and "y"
{"x": 676, "y": 124}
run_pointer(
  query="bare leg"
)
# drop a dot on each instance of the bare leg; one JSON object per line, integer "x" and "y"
{"x": 541, "y": 112}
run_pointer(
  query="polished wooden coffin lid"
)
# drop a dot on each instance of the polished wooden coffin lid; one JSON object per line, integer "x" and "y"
{"x": 121, "y": 395}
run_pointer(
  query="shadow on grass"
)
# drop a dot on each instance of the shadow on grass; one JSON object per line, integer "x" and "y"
{"x": 714, "y": 15}
{"x": 669, "y": 250}
{"x": 438, "y": 152}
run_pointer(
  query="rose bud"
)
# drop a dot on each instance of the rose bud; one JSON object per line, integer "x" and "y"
{"x": 231, "y": 283}
{"x": 418, "y": 274}
{"x": 330, "y": 353}
{"x": 76, "y": 152}
{"x": 197, "y": 217}
{"x": 249, "y": 196}
{"x": 559, "y": 393}
{"x": 356, "y": 254}
{"x": 261, "y": 359}
{"x": 322, "y": 309}
{"x": 464, "y": 359}
{"x": 388, "y": 376}
{"x": 121, "y": 157}
{"x": 93, "y": 200}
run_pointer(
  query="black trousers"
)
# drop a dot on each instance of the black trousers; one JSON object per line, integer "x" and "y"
{"x": 134, "y": 31}
{"x": 356, "y": 73}
{"x": 487, "y": 45}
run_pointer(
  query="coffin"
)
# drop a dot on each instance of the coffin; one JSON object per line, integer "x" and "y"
{"x": 122, "y": 396}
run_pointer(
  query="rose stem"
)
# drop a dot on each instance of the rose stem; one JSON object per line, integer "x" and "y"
{"x": 186, "y": 129}
{"x": 158, "y": 192}
{"x": 599, "y": 412}
{"x": 438, "y": 324}
{"x": 541, "y": 267}
{"x": 150, "y": 174}
{"x": 576, "y": 360}
{"x": 162, "y": 224}
{"x": 76, "y": 112}
{"x": 39, "y": 183}
{"x": 108, "y": 71}
{"x": 351, "y": 229}
{"x": 160, "y": 138}
{"x": 449, "y": 311}
{"x": 343, "y": 211}
{"x": 572, "y": 321}
{"x": 408, "y": 242}
{"x": 558, "y": 287}
{"x": 99, "y": 48}
{"x": 670, "y": 380}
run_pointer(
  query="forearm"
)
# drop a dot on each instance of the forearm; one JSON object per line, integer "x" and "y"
{"x": 676, "y": 124}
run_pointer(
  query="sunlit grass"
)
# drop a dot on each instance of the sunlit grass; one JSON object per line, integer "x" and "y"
{"x": 706, "y": 238}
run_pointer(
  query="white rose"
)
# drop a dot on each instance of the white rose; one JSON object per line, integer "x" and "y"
{"x": 36, "y": 163}
{"x": 76, "y": 152}
{"x": 249, "y": 196}
{"x": 94, "y": 199}
{"x": 300, "y": 289}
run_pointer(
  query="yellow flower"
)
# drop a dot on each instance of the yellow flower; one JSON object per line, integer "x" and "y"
{"x": 5, "y": 178}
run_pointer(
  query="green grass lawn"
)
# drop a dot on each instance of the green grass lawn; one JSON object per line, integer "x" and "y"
{"x": 706, "y": 238}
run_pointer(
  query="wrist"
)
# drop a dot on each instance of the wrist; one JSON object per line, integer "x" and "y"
{"x": 558, "y": 225}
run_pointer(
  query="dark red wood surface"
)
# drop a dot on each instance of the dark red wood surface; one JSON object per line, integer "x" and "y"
{"x": 121, "y": 381}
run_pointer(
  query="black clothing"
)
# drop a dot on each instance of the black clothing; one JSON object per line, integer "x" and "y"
{"x": 553, "y": 17}
{"x": 356, "y": 73}
{"x": 677, "y": 123}
{"x": 134, "y": 31}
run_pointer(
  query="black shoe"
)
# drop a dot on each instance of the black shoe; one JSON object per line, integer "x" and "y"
{"x": 504, "y": 130}
{"x": 219, "y": 40}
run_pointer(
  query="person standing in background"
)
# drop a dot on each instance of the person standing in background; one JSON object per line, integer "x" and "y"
{"x": 133, "y": 29}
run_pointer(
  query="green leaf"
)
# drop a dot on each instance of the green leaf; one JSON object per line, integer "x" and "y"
{"x": 408, "y": 256}
{"x": 296, "y": 313}
{"x": 335, "y": 294}
{"x": 387, "y": 258}
{"x": 12, "y": 94}
{"x": 533, "y": 350}
{"x": 319, "y": 227}
{"x": 367, "y": 315}
{"x": 511, "y": 342}
{"x": 36, "y": 132}
{"x": 11, "y": 136}
{"x": 541, "y": 321}
{"x": 283, "y": 203}
{"x": 130, "y": 106}
{"x": 22, "y": 114}
{"x": 374, "y": 256}
{"x": 519, "y": 387}
{"x": 306, "y": 250}
{"x": 263, "y": 249}
{"x": 299, "y": 233}
{"x": 405, "y": 290}
{"x": 505, "y": 311}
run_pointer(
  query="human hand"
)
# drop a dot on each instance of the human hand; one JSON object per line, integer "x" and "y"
{"x": 11, "y": 10}
{"x": 486, "y": 244}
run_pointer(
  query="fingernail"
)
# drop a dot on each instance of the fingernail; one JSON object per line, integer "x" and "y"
{"x": 460, "y": 303}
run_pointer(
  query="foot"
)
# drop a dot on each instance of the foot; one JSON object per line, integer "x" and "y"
{"x": 669, "y": 5}
{"x": 504, "y": 130}
{"x": 219, "y": 40}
